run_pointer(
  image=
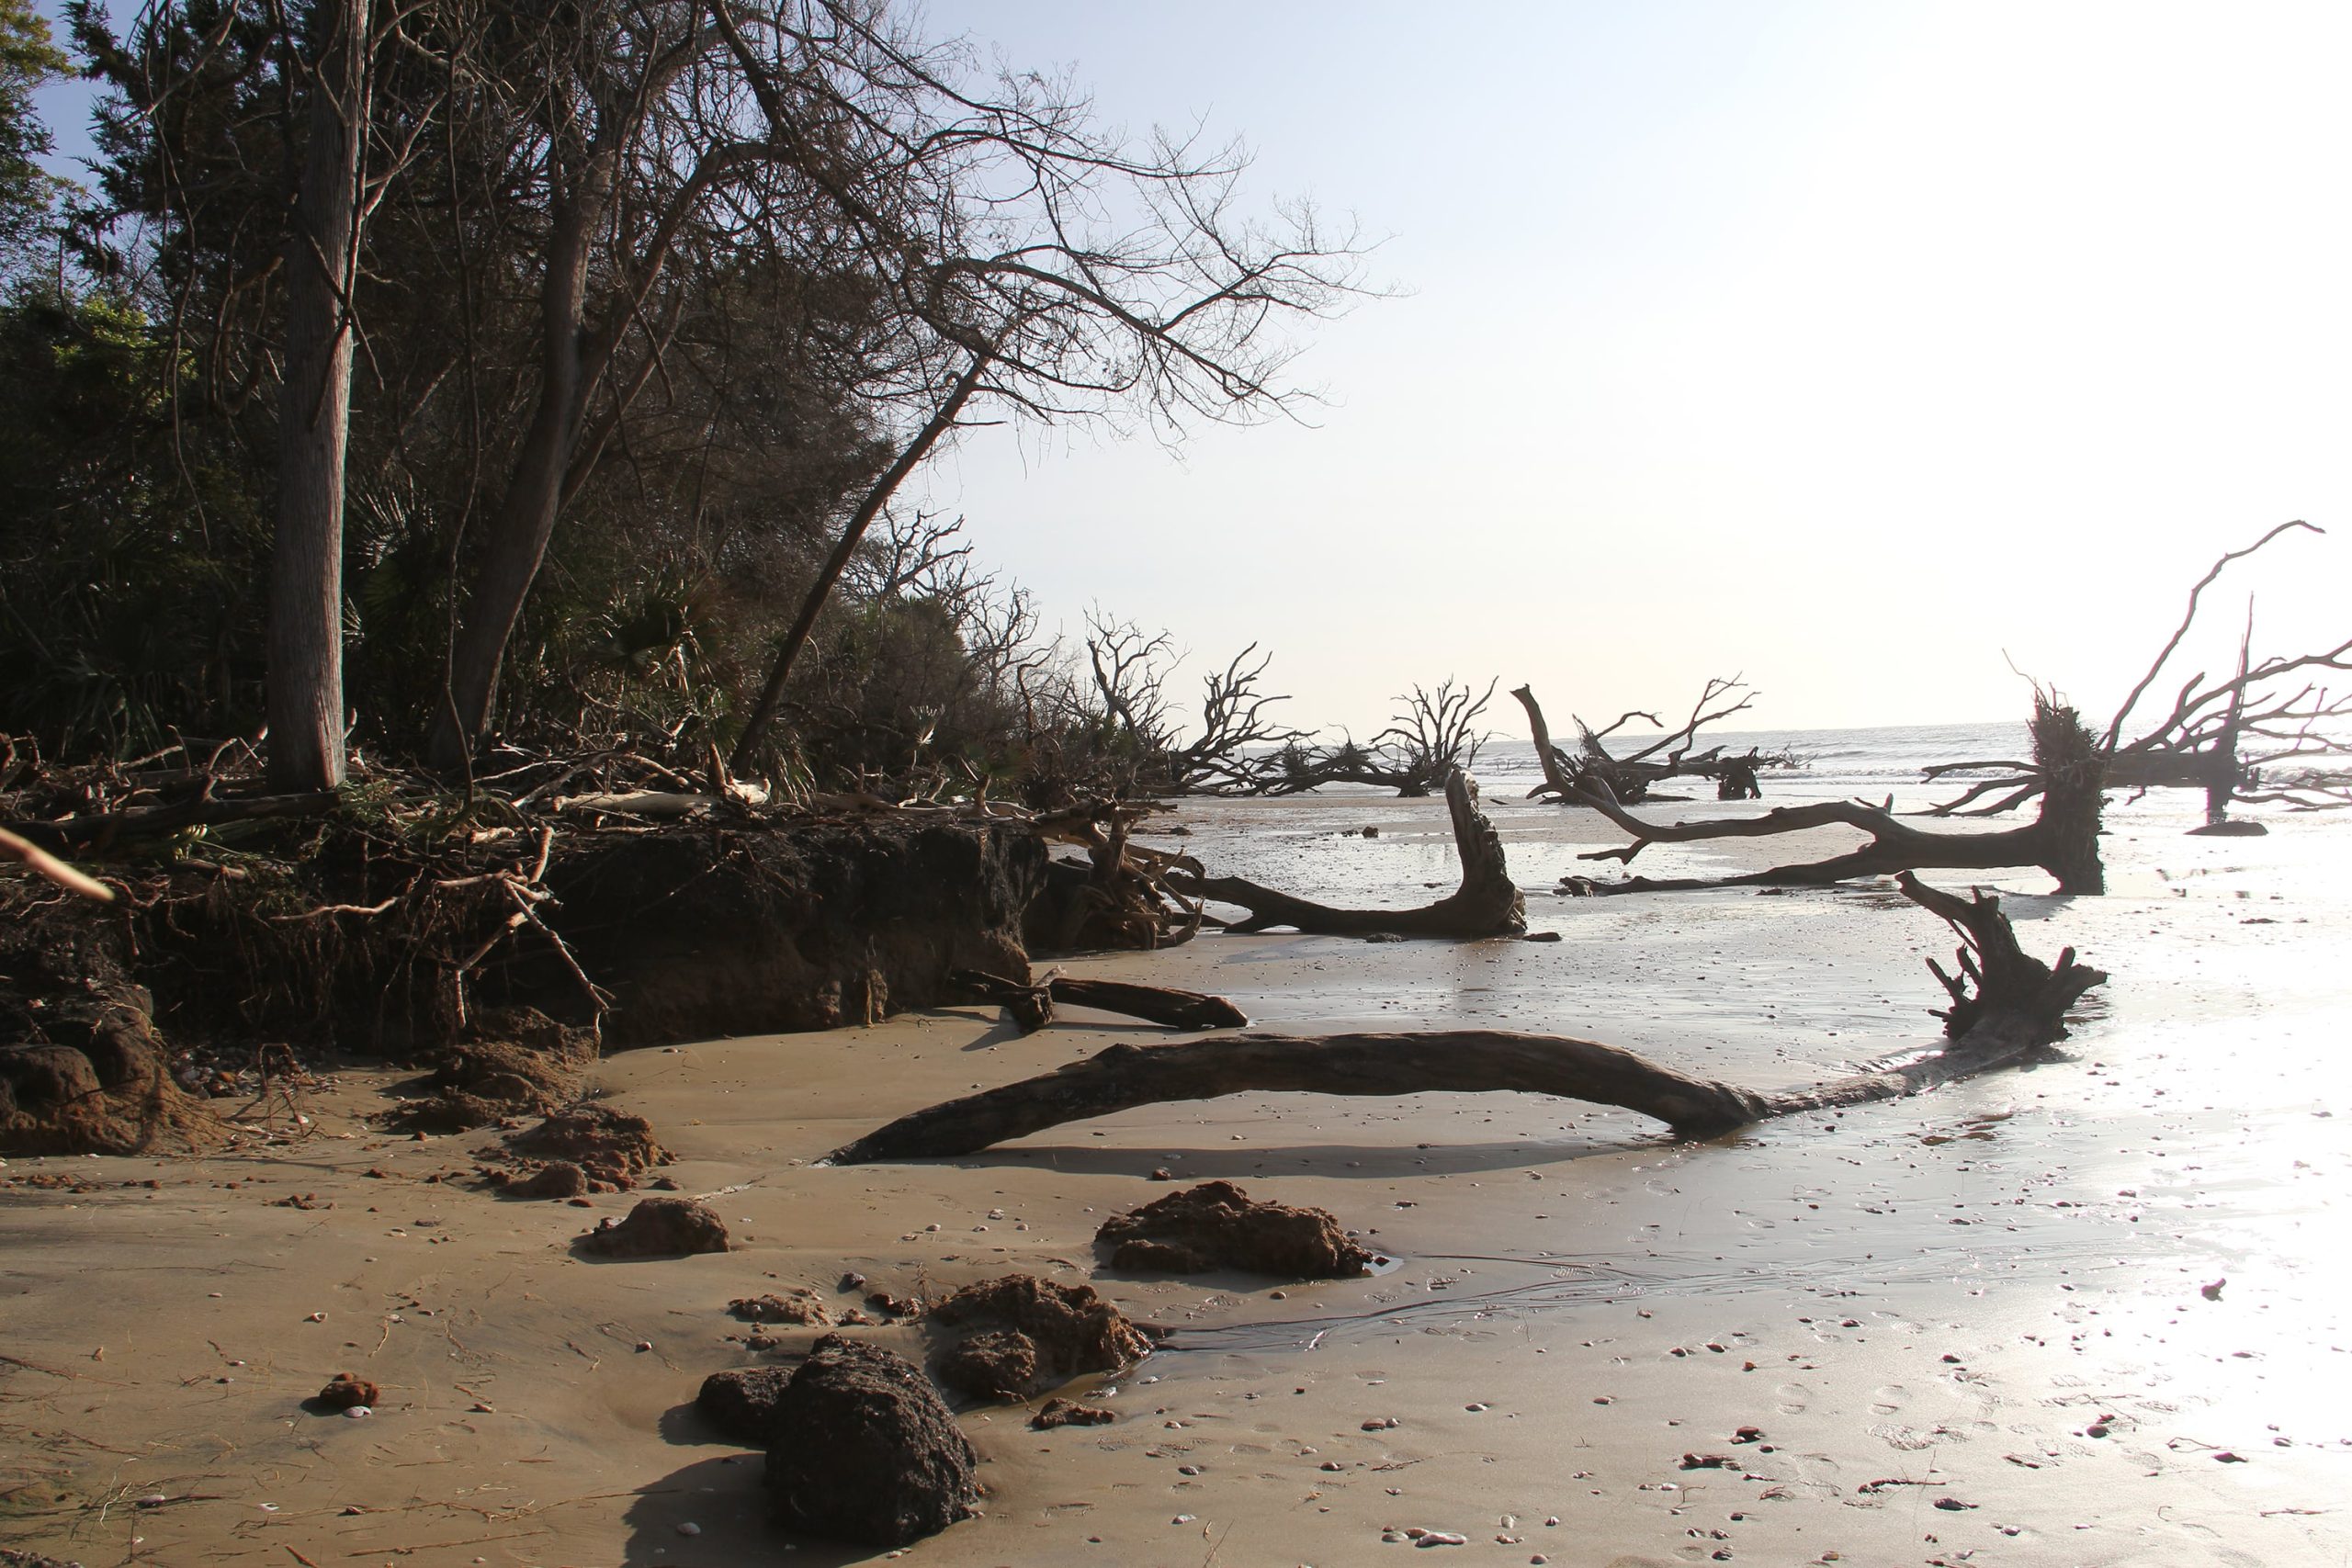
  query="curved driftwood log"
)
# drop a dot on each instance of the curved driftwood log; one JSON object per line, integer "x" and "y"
{"x": 1487, "y": 904}
{"x": 1120, "y": 1077}
{"x": 2005, "y": 1004}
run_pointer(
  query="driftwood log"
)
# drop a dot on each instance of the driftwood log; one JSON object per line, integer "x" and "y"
{"x": 99, "y": 829}
{"x": 1487, "y": 904}
{"x": 2063, "y": 839}
{"x": 2005, "y": 1004}
{"x": 1031, "y": 1003}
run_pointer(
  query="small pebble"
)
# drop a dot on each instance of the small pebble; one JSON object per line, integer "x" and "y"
{"x": 690, "y": 1527}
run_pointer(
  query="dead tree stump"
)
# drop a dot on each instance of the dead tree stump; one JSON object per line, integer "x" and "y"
{"x": 1487, "y": 904}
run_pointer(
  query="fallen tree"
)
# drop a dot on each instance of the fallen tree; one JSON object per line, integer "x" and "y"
{"x": 2005, "y": 1005}
{"x": 1629, "y": 778}
{"x": 2218, "y": 736}
{"x": 2063, "y": 839}
{"x": 1432, "y": 734}
{"x": 1488, "y": 903}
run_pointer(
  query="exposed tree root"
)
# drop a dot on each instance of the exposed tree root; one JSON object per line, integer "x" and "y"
{"x": 2005, "y": 1004}
{"x": 1487, "y": 904}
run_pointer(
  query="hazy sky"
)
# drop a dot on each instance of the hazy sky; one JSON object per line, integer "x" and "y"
{"x": 1862, "y": 348}
{"x": 1848, "y": 346}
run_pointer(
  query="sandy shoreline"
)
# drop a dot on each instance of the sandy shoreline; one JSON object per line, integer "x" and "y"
{"x": 1925, "y": 1307}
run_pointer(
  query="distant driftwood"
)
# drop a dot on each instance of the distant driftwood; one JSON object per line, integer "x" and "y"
{"x": 2005, "y": 1004}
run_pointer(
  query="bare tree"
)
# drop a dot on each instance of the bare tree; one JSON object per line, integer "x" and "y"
{"x": 1010, "y": 254}
{"x": 1239, "y": 745}
{"x": 1432, "y": 734}
{"x": 922, "y": 553}
{"x": 1630, "y": 777}
{"x": 1127, "y": 668}
{"x": 2218, "y": 736}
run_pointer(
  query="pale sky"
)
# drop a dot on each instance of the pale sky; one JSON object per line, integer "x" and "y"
{"x": 1848, "y": 346}
{"x": 1861, "y": 348}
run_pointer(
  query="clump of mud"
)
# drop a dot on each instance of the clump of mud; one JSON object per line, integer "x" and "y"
{"x": 555, "y": 1179}
{"x": 609, "y": 1146}
{"x": 742, "y": 1404}
{"x": 1020, "y": 1335}
{"x": 798, "y": 1305}
{"x": 1217, "y": 1225}
{"x": 1067, "y": 1413}
{"x": 660, "y": 1228}
{"x": 525, "y": 1064}
{"x": 861, "y": 1449}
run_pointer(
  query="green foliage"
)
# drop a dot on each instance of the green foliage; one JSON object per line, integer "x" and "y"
{"x": 129, "y": 550}
{"x": 27, "y": 58}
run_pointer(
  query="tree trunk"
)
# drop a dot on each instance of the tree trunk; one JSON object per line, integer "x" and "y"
{"x": 304, "y": 696}
{"x": 1555, "y": 777}
{"x": 2074, "y": 775}
{"x": 1487, "y": 904}
{"x": 525, "y": 518}
{"x": 2018, "y": 1005}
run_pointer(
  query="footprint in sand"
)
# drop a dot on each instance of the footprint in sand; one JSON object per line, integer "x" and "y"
{"x": 1793, "y": 1397}
{"x": 1888, "y": 1398}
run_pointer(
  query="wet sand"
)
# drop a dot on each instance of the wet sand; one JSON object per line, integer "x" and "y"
{"x": 1970, "y": 1327}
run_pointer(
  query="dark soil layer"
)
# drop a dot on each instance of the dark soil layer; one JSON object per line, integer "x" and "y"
{"x": 703, "y": 934}
{"x": 82, "y": 1069}
{"x": 352, "y": 940}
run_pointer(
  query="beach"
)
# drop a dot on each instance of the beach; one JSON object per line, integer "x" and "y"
{"x": 2090, "y": 1311}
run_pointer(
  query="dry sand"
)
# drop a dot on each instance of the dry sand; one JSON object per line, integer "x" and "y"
{"x": 1970, "y": 1327}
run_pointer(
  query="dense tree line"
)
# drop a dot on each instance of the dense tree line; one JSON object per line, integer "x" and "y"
{"x": 437, "y": 371}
